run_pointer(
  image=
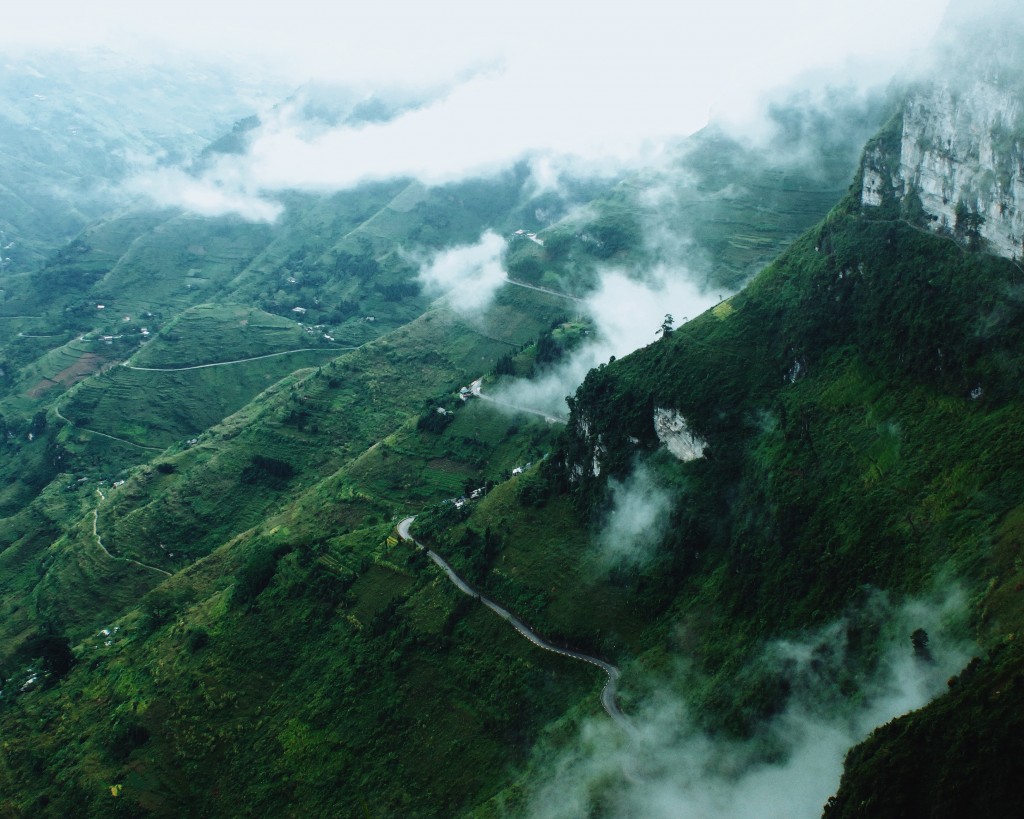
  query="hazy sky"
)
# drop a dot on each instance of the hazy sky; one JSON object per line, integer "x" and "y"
{"x": 611, "y": 50}
{"x": 603, "y": 81}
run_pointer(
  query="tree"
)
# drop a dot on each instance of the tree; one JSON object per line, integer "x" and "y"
{"x": 919, "y": 639}
{"x": 38, "y": 424}
{"x": 53, "y": 650}
{"x": 665, "y": 330}
{"x": 968, "y": 225}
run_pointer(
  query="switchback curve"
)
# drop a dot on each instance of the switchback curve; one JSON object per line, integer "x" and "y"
{"x": 608, "y": 701}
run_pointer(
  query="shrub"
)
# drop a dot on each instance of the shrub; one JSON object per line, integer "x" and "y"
{"x": 256, "y": 575}
{"x": 267, "y": 471}
{"x": 197, "y": 638}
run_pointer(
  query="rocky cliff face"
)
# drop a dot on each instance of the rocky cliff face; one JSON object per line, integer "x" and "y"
{"x": 674, "y": 432}
{"x": 960, "y": 155}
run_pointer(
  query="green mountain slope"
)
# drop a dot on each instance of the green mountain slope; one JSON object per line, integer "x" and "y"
{"x": 861, "y": 409}
{"x": 72, "y": 129}
{"x": 204, "y": 604}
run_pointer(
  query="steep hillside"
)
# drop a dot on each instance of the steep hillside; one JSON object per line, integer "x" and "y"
{"x": 723, "y": 208}
{"x": 72, "y": 130}
{"x": 212, "y": 428}
{"x": 851, "y": 420}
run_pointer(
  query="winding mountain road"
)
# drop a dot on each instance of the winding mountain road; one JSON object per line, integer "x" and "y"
{"x": 608, "y": 701}
{"x": 235, "y": 361}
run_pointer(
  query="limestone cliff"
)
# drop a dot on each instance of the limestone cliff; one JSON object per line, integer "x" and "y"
{"x": 960, "y": 155}
{"x": 953, "y": 158}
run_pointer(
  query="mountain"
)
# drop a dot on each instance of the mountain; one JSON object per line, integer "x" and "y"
{"x": 850, "y": 420}
{"x": 72, "y": 130}
{"x": 951, "y": 159}
{"x": 786, "y": 521}
{"x": 169, "y": 475}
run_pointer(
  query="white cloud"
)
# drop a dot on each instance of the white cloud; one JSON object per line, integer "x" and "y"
{"x": 469, "y": 275}
{"x": 636, "y": 520}
{"x": 684, "y": 48}
{"x": 174, "y": 188}
{"x": 666, "y": 768}
{"x": 604, "y": 84}
{"x": 626, "y": 313}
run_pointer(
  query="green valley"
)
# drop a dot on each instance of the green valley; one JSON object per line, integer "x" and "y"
{"x": 788, "y": 528}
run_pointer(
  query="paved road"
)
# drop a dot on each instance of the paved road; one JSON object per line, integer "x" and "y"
{"x": 99, "y": 542}
{"x": 236, "y": 361}
{"x": 608, "y": 692}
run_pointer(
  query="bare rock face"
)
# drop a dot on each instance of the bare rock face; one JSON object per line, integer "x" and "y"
{"x": 673, "y": 431}
{"x": 594, "y": 444}
{"x": 961, "y": 154}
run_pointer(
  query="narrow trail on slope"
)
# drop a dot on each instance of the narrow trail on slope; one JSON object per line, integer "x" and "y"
{"x": 69, "y": 422}
{"x": 608, "y": 701}
{"x": 476, "y": 388}
{"x": 126, "y": 365}
{"x": 99, "y": 541}
{"x": 546, "y": 290}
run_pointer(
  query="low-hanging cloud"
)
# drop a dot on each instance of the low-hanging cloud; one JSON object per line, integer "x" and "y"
{"x": 667, "y": 768}
{"x": 468, "y": 275}
{"x": 476, "y": 130}
{"x": 626, "y": 313}
{"x": 173, "y": 187}
{"x": 636, "y": 520}
{"x": 585, "y": 92}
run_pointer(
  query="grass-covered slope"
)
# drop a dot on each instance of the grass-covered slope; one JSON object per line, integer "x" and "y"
{"x": 269, "y": 647}
{"x": 864, "y": 422}
{"x": 724, "y": 206}
{"x": 260, "y": 672}
{"x": 332, "y": 674}
{"x": 332, "y": 422}
{"x": 162, "y": 292}
{"x": 306, "y": 664}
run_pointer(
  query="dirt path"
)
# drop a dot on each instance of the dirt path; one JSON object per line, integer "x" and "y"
{"x": 546, "y": 290}
{"x": 99, "y": 541}
{"x": 69, "y": 422}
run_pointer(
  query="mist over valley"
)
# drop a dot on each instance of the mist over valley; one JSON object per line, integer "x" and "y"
{"x": 539, "y": 411}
